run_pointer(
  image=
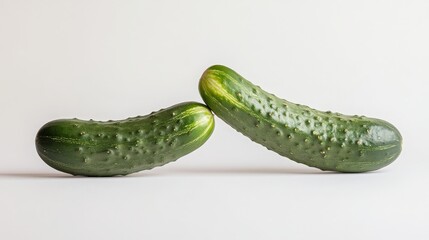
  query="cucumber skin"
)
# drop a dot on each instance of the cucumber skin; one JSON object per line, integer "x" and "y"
{"x": 325, "y": 140}
{"x": 94, "y": 148}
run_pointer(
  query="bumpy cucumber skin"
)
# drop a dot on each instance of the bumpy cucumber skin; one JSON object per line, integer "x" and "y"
{"x": 325, "y": 140}
{"x": 94, "y": 148}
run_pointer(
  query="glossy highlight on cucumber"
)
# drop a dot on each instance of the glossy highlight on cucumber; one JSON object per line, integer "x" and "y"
{"x": 325, "y": 140}
{"x": 95, "y": 148}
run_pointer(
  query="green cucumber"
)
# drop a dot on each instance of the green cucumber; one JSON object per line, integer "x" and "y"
{"x": 325, "y": 140}
{"x": 94, "y": 148}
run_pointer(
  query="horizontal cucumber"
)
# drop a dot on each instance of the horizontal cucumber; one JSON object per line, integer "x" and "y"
{"x": 325, "y": 140}
{"x": 94, "y": 148}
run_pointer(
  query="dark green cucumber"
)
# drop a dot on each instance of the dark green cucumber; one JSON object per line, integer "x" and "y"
{"x": 93, "y": 148}
{"x": 325, "y": 140}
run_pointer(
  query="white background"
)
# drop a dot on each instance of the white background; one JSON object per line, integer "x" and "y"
{"x": 116, "y": 59}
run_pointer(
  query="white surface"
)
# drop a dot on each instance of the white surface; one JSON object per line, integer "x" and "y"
{"x": 115, "y": 59}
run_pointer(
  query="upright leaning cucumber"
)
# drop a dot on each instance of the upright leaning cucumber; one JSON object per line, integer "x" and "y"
{"x": 93, "y": 148}
{"x": 325, "y": 140}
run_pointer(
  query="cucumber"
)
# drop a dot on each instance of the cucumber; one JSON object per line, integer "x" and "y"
{"x": 325, "y": 140}
{"x": 95, "y": 148}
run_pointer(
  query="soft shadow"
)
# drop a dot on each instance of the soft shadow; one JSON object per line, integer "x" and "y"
{"x": 192, "y": 172}
{"x": 246, "y": 171}
{"x": 68, "y": 176}
{"x": 34, "y": 175}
